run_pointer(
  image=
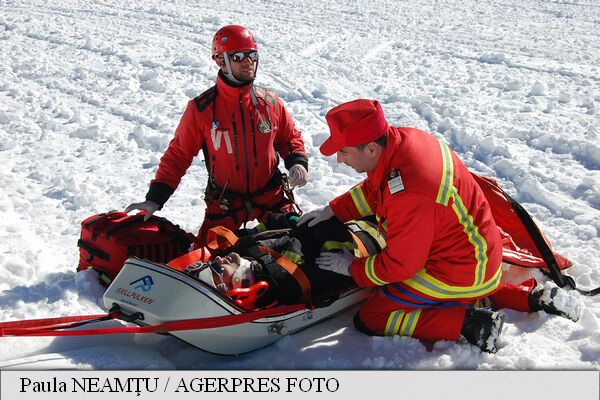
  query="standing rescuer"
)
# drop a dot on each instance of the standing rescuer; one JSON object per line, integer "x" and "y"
{"x": 442, "y": 260}
{"x": 242, "y": 130}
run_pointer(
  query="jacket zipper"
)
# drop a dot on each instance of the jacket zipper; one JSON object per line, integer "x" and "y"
{"x": 245, "y": 146}
{"x": 253, "y": 132}
{"x": 235, "y": 141}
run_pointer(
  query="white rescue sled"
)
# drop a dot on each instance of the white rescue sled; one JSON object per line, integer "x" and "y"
{"x": 161, "y": 294}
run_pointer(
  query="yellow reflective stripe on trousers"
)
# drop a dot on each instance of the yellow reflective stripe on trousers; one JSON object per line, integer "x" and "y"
{"x": 360, "y": 201}
{"x": 370, "y": 271}
{"x": 402, "y": 323}
{"x": 427, "y": 284}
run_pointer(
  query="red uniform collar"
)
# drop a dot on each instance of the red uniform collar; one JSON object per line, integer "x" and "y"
{"x": 229, "y": 92}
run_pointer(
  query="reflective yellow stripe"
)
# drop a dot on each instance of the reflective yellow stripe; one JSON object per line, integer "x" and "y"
{"x": 370, "y": 271}
{"x": 360, "y": 201}
{"x": 393, "y": 323}
{"x": 295, "y": 257}
{"x": 475, "y": 238}
{"x": 335, "y": 245}
{"x": 372, "y": 231}
{"x": 427, "y": 284}
{"x": 446, "y": 190}
{"x": 410, "y": 323}
{"x": 402, "y": 323}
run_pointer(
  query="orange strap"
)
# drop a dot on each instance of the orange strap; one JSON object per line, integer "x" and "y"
{"x": 220, "y": 238}
{"x": 362, "y": 250}
{"x": 294, "y": 270}
{"x": 190, "y": 258}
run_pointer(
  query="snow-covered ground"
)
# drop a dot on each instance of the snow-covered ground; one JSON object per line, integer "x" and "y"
{"x": 91, "y": 92}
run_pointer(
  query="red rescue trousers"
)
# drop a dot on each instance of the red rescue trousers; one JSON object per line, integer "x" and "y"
{"x": 385, "y": 317}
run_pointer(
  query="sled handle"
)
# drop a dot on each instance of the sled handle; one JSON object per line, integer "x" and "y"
{"x": 247, "y": 297}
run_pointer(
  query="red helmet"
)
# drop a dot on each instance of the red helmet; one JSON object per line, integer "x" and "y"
{"x": 231, "y": 38}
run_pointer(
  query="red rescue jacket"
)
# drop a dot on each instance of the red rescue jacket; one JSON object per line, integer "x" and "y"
{"x": 441, "y": 240}
{"x": 241, "y": 138}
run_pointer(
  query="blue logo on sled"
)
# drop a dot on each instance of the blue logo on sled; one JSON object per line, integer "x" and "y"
{"x": 146, "y": 283}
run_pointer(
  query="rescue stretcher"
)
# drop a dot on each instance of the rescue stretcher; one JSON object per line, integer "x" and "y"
{"x": 153, "y": 294}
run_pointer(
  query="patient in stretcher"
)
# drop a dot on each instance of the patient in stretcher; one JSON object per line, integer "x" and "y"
{"x": 280, "y": 267}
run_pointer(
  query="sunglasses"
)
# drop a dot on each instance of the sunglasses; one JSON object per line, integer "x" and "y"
{"x": 196, "y": 268}
{"x": 240, "y": 56}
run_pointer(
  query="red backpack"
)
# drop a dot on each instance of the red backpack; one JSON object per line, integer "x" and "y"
{"x": 107, "y": 239}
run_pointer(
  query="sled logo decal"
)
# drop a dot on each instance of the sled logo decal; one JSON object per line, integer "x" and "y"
{"x": 146, "y": 283}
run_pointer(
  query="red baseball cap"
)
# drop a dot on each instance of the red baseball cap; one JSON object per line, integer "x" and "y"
{"x": 354, "y": 123}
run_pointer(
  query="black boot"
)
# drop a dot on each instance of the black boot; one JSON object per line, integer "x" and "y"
{"x": 556, "y": 301}
{"x": 482, "y": 327}
{"x": 361, "y": 327}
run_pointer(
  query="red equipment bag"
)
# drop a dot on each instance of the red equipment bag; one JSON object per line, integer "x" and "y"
{"x": 107, "y": 239}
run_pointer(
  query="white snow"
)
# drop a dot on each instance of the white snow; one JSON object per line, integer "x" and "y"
{"x": 91, "y": 92}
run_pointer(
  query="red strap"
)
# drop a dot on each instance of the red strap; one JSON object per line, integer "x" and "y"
{"x": 179, "y": 263}
{"x": 171, "y": 326}
{"x": 47, "y": 322}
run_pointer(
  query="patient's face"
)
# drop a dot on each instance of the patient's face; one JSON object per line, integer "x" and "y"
{"x": 231, "y": 258}
{"x": 229, "y": 263}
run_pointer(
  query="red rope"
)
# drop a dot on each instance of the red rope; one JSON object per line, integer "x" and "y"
{"x": 37, "y": 328}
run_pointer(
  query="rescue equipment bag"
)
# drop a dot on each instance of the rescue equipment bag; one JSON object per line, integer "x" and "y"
{"x": 107, "y": 239}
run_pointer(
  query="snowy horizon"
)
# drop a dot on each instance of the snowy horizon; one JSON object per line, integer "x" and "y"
{"x": 91, "y": 93}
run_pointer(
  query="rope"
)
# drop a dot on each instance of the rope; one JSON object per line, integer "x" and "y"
{"x": 55, "y": 326}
